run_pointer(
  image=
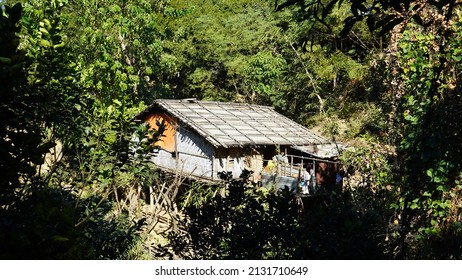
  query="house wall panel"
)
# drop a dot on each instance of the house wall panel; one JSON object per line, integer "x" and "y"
{"x": 164, "y": 159}
{"x": 168, "y": 141}
{"x": 237, "y": 159}
{"x": 195, "y": 154}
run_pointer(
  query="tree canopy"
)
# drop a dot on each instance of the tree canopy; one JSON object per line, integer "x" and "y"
{"x": 382, "y": 76}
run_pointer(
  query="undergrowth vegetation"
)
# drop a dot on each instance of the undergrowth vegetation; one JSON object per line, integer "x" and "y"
{"x": 77, "y": 180}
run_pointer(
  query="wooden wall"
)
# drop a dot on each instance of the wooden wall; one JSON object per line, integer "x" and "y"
{"x": 168, "y": 141}
{"x": 184, "y": 151}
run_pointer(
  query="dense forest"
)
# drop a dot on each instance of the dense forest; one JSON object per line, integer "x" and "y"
{"x": 381, "y": 76}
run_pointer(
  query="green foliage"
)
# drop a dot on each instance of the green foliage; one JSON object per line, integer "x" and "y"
{"x": 342, "y": 229}
{"x": 254, "y": 223}
{"x": 76, "y": 72}
{"x": 20, "y": 139}
{"x": 42, "y": 226}
{"x": 37, "y": 93}
{"x": 246, "y": 223}
{"x": 118, "y": 48}
{"x": 262, "y": 71}
{"x": 379, "y": 15}
{"x": 68, "y": 211}
{"x": 415, "y": 81}
{"x": 428, "y": 146}
{"x": 227, "y": 51}
{"x": 199, "y": 193}
{"x": 51, "y": 74}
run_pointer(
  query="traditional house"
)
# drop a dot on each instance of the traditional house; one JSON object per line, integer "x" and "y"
{"x": 203, "y": 138}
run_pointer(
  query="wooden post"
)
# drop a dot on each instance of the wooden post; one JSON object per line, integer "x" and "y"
{"x": 291, "y": 164}
{"x": 177, "y": 136}
{"x": 213, "y": 163}
{"x": 314, "y": 171}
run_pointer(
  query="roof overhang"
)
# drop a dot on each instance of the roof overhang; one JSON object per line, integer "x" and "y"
{"x": 324, "y": 151}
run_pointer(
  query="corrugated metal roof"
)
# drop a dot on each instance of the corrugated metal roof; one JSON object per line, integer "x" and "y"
{"x": 226, "y": 124}
{"x": 322, "y": 150}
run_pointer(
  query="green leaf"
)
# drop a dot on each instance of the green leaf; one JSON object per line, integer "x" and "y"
{"x": 430, "y": 173}
{"x": 45, "y": 43}
{"x": 59, "y": 238}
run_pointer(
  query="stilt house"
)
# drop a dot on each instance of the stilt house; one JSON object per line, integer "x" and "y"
{"x": 203, "y": 138}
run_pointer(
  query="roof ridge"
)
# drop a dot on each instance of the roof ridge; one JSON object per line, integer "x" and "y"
{"x": 194, "y": 100}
